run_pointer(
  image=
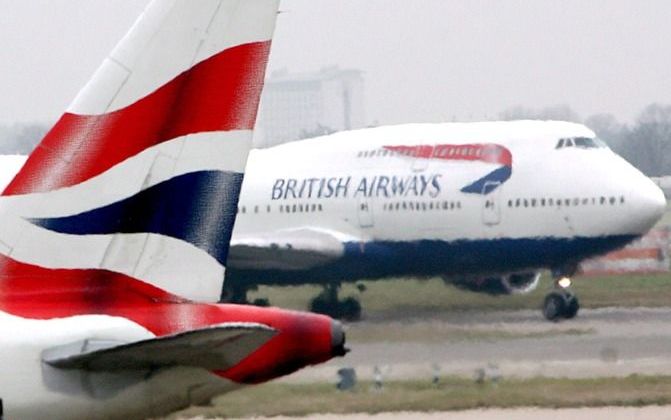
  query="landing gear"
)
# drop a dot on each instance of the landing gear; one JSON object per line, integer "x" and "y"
{"x": 561, "y": 302}
{"x": 327, "y": 303}
{"x": 235, "y": 293}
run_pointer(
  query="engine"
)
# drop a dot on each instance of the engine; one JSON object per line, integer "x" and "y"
{"x": 508, "y": 284}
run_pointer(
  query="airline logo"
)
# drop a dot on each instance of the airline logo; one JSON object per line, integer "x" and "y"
{"x": 380, "y": 186}
{"x": 139, "y": 180}
{"x": 477, "y": 152}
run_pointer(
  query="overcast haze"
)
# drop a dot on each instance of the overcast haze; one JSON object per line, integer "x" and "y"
{"x": 424, "y": 60}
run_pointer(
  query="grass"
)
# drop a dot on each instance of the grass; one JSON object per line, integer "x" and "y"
{"x": 402, "y": 297}
{"x": 450, "y": 394}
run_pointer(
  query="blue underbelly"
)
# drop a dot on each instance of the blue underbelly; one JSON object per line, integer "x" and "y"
{"x": 383, "y": 259}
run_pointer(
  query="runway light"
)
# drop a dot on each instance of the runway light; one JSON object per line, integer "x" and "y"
{"x": 564, "y": 282}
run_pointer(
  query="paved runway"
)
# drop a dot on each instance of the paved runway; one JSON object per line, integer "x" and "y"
{"x": 603, "y": 342}
{"x": 610, "y": 413}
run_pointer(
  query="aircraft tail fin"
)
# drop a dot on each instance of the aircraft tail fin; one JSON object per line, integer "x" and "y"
{"x": 142, "y": 174}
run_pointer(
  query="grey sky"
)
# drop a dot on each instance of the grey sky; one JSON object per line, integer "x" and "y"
{"x": 424, "y": 60}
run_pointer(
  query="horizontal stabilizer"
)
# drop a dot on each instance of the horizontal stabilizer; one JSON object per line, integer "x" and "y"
{"x": 217, "y": 348}
{"x": 285, "y": 250}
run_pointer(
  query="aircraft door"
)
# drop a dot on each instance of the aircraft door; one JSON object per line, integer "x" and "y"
{"x": 365, "y": 213}
{"x": 491, "y": 210}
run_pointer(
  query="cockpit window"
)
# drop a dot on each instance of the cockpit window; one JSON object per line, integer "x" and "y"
{"x": 581, "y": 142}
{"x": 585, "y": 142}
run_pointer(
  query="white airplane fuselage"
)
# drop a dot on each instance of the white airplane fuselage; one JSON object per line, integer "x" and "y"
{"x": 456, "y": 199}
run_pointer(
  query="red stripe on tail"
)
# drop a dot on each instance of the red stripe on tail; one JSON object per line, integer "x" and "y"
{"x": 219, "y": 94}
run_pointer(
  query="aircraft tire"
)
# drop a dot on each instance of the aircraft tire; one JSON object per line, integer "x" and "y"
{"x": 350, "y": 309}
{"x": 262, "y": 302}
{"x": 322, "y": 305}
{"x": 554, "y": 306}
{"x": 572, "y": 307}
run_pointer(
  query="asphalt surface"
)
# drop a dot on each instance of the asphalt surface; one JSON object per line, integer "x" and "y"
{"x": 602, "y": 342}
{"x": 610, "y": 413}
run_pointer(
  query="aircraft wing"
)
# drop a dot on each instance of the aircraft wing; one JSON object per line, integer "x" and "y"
{"x": 216, "y": 348}
{"x": 285, "y": 250}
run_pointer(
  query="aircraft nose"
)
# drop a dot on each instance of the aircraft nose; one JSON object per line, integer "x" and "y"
{"x": 650, "y": 205}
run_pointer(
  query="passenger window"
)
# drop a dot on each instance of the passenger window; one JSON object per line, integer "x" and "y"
{"x": 612, "y": 200}
{"x": 533, "y": 202}
{"x": 621, "y": 199}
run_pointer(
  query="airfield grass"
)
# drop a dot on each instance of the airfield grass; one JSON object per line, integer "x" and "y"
{"x": 448, "y": 395}
{"x": 388, "y": 299}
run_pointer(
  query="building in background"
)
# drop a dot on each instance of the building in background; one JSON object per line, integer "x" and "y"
{"x": 303, "y": 105}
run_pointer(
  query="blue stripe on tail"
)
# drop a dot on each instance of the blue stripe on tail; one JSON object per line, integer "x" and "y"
{"x": 198, "y": 208}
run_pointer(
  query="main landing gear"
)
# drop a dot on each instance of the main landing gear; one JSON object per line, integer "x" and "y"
{"x": 327, "y": 303}
{"x": 561, "y": 303}
{"x": 236, "y": 293}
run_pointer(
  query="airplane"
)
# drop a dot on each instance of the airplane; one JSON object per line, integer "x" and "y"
{"x": 487, "y": 206}
{"x": 114, "y": 233}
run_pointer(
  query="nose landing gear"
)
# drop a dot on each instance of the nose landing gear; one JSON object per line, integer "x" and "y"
{"x": 561, "y": 302}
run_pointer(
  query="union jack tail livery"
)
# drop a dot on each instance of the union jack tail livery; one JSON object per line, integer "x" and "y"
{"x": 141, "y": 175}
{"x": 120, "y": 221}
